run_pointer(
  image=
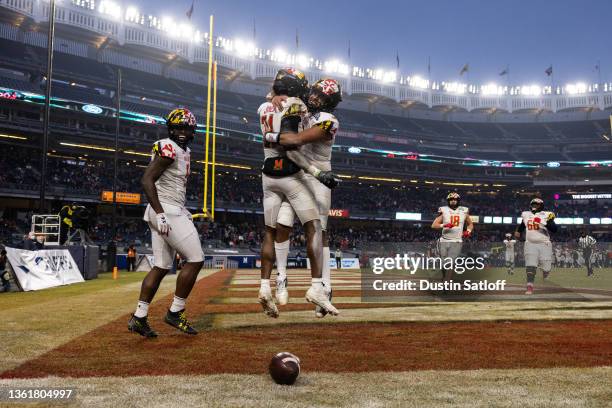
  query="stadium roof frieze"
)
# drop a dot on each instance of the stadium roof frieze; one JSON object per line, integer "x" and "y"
{"x": 137, "y": 31}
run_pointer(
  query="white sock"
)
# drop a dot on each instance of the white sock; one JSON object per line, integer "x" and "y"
{"x": 178, "y": 304}
{"x": 265, "y": 285}
{"x": 326, "y": 269}
{"x": 317, "y": 281}
{"x": 282, "y": 253}
{"x": 142, "y": 309}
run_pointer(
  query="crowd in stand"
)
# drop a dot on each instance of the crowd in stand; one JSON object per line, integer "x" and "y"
{"x": 243, "y": 189}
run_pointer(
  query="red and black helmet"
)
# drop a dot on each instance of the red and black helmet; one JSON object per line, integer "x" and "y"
{"x": 324, "y": 95}
{"x": 290, "y": 82}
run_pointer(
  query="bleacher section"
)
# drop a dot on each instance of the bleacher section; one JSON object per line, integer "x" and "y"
{"x": 238, "y": 112}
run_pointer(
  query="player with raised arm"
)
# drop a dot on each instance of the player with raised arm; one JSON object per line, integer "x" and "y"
{"x": 164, "y": 183}
{"x": 509, "y": 243}
{"x": 451, "y": 220}
{"x": 537, "y": 224}
{"x": 285, "y": 182}
{"x": 315, "y": 143}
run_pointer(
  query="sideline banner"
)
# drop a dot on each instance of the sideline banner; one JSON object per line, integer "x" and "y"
{"x": 43, "y": 269}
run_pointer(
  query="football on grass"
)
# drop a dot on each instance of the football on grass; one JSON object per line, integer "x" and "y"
{"x": 284, "y": 368}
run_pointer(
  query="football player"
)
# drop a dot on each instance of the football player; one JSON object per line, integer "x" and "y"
{"x": 537, "y": 224}
{"x": 315, "y": 143}
{"x": 164, "y": 183}
{"x": 284, "y": 181}
{"x": 509, "y": 243}
{"x": 451, "y": 220}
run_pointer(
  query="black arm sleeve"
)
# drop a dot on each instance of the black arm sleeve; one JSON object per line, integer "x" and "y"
{"x": 290, "y": 124}
{"x": 551, "y": 226}
{"x": 521, "y": 227}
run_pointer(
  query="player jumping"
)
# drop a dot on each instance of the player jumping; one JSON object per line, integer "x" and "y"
{"x": 538, "y": 225}
{"x": 164, "y": 183}
{"x": 509, "y": 243}
{"x": 284, "y": 181}
{"x": 315, "y": 143}
{"x": 451, "y": 220}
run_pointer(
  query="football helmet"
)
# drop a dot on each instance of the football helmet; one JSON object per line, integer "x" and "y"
{"x": 324, "y": 95}
{"x": 181, "y": 125}
{"x": 453, "y": 196}
{"x": 535, "y": 205}
{"x": 290, "y": 82}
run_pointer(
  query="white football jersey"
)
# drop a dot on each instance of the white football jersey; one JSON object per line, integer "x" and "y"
{"x": 509, "y": 243}
{"x": 457, "y": 218}
{"x": 319, "y": 153}
{"x": 172, "y": 184}
{"x": 270, "y": 121}
{"x": 536, "y": 233}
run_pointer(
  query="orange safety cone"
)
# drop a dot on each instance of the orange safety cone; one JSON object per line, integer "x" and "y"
{"x": 115, "y": 273}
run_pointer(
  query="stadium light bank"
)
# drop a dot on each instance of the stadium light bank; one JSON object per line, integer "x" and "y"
{"x": 248, "y": 49}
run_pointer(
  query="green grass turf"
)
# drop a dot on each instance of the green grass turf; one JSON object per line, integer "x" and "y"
{"x": 105, "y": 281}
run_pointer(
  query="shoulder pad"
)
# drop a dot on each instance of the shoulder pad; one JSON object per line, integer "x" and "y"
{"x": 294, "y": 107}
{"x": 326, "y": 121}
{"x": 265, "y": 107}
{"x": 165, "y": 148}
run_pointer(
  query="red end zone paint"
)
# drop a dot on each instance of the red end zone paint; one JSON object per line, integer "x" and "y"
{"x": 111, "y": 350}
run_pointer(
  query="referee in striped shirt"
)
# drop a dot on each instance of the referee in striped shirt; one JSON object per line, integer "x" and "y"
{"x": 586, "y": 243}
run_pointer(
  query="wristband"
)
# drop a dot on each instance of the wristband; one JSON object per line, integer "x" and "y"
{"x": 313, "y": 171}
{"x": 272, "y": 137}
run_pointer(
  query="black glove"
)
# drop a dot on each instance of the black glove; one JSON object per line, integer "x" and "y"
{"x": 328, "y": 179}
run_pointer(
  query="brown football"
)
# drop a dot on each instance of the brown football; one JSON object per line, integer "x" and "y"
{"x": 284, "y": 368}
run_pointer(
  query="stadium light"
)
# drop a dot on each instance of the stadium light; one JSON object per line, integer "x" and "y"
{"x": 244, "y": 49}
{"x": 491, "y": 89}
{"x": 85, "y": 146}
{"x": 13, "y": 137}
{"x": 454, "y": 87}
{"x": 110, "y": 8}
{"x": 530, "y": 90}
{"x": 577, "y": 88}
{"x": 303, "y": 61}
{"x": 418, "y": 82}
{"x": 132, "y": 15}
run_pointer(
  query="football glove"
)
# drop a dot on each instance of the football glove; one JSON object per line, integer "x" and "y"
{"x": 448, "y": 225}
{"x": 551, "y": 216}
{"x": 467, "y": 234}
{"x": 163, "y": 224}
{"x": 328, "y": 179}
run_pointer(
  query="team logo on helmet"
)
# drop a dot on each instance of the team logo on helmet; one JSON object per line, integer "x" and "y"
{"x": 292, "y": 71}
{"x": 453, "y": 196}
{"x": 329, "y": 86}
{"x": 181, "y": 117}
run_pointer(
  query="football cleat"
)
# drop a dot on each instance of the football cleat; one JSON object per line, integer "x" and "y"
{"x": 141, "y": 326}
{"x": 545, "y": 274}
{"x": 319, "y": 311}
{"x": 529, "y": 290}
{"x": 316, "y": 294}
{"x": 282, "y": 294}
{"x": 178, "y": 320}
{"x": 267, "y": 302}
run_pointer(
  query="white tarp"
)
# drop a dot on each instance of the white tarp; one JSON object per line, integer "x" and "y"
{"x": 43, "y": 269}
{"x": 146, "y": 263}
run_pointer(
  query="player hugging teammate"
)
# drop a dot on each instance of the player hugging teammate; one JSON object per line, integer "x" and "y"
{"x": 537, "y": 224}
{"x": 298, "y": 131}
